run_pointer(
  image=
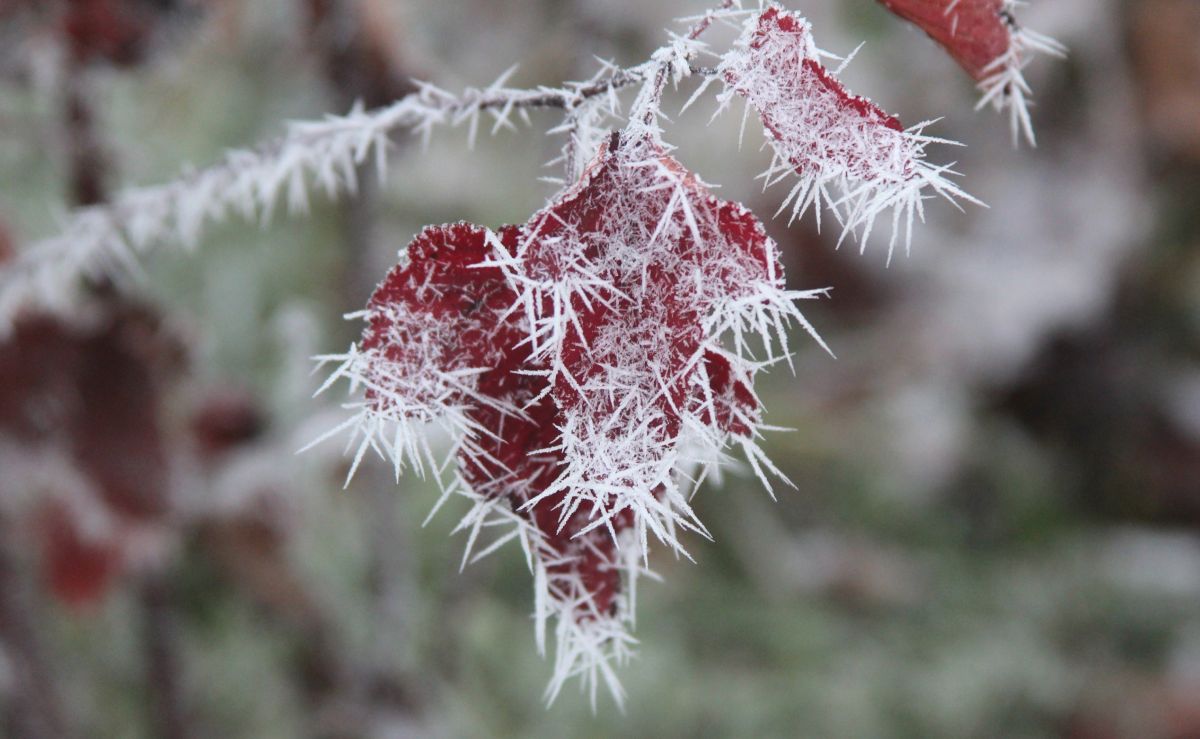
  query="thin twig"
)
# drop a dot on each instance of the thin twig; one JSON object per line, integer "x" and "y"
{"x": 160, "y": 640}
{"x": 107, "y": 239}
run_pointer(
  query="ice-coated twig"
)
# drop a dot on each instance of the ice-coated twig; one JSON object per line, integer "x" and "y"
{"x": 108, "y": 240}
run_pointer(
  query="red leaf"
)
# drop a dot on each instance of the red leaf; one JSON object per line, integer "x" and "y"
{"x": 225, "y": 420}
{"x": 574, "y": 356}
{"x": 113, "y": 30}
{"x": 974, "y": 32}
{"x": 438, "y": 314}
{"x": 662, "y": 253}
{"x": 983, "y": 36}
{"x": 79, "y": 568}
{"x": 735, "y": 407}
{"x": 116, "y": 433}
{"x": 90, "y": 393}
{"x": 849, "y": 154}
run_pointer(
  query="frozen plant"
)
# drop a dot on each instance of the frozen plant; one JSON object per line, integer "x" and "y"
{"x": 596, "y": 363}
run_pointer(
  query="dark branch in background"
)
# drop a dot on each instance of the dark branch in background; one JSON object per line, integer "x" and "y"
{"x": 345, "y": 693}
{"x": 359, "y": 66}
{"x": 163, "y": 667}
{"x": 87, "y": 164}
{"x": 356, "y": 58}
{"x": 30, "y": 707}
{"x": 89, "y": 172}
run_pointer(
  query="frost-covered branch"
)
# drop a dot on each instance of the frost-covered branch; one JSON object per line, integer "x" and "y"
{"x": 108, "y": 240}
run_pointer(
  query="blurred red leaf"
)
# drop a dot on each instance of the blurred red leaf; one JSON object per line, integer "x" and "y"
{"x": 110, "y": 30}
{"x": 78, "y": 567}
{"x": 224, "y": 420}
{"x": 92, "y": 391}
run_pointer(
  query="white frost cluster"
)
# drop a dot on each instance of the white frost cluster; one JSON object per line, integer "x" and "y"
{"x": 590, "y": 644}
{"x": 1004, "y": 87}
{"x": 846, "y": 153}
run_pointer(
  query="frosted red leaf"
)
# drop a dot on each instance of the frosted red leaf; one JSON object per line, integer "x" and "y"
{"x": 974, "y": 32}
{"x": 984, "y": 38}
{"x": 848, "y": 153}
{"x": 577, "y": 358}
